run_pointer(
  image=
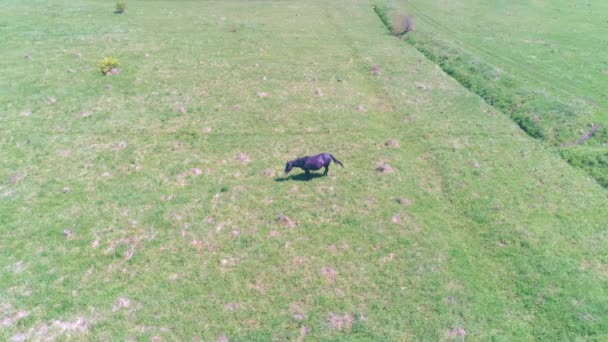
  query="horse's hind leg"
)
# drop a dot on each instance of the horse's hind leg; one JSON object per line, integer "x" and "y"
{"x": 326, "y": 170}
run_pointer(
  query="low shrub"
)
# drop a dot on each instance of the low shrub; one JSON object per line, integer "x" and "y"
{"x": 120, "y": 7}
{"x": 108, "y": 65}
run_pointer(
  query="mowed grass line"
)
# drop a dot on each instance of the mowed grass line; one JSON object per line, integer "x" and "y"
{"x": 168, "y": 235}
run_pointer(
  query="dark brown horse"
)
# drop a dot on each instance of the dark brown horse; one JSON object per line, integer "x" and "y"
{"x": 312, "y": 163}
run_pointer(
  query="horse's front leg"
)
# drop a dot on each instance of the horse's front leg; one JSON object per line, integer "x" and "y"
{"x": 308, "y": 174}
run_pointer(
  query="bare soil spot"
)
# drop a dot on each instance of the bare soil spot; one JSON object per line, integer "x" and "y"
{"x": 67, "y": 233}
{"x": 129, "y": 253}
{"x": 242, "y": 157}
{"x": 329, "y": 273}
{"x": 422, "y": 86}
{"x": 384, "y": 168}
{"x": 181, "y": 110}
{"x": 375, "y": 69}
{"x": 232, "y": 306}
{"x": 206, "y": 130}
{"x": 8, "y": 321}
{"x": 318, "y": 92}
{"x": 304, "y": 330}
{"x": 274, "y": 234}
{"x": 286, "y": 221}
{"x": 406, "y": 202}
{"x": 341, "y": 322}
{"x": 53, "y": 330}
{"x": 16, "y": 178}
{"x": 269, "y": 173}
{"x": 262, "y": 94}
{"x": 118, "y": 146}
{"x": 51, "y": 100}
{"x": 113, "y": 71}
{"x": 19, "y": 266}
{"x": 229, "y": 262}
{"x": 457, "y": 332}
{"x": 66, "y": 190}
{"x": 390, "y": 257}
{"x": 392, "y": 143}
{"x": 222, "y": 338}
{"x": 298, "y": 260}
{"x": 202, "y": 246}
{"x": 298, "y": 313}
{"x": 26, "y": 113}
{"x": 361, "y": 108}
{"x": 84, "y": 114}
{"x": 121, "y": 303}
{"x": 259, "y": 286}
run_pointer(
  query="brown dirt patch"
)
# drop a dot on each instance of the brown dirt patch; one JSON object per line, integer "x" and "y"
{"x": 16, "y": 178}
{"x": 113, "y": 71}
{"x": 406, "y": 202}
{"x": 392, "y": 143}
{"x": 232, "y": 306}
{"x": 375, "y": 69}
{"x": 121, "y": 303}
{"x": 118, "y": 146}
{"x": 269, "y": 173}
{"x": 286, "y": 221}
{"x": 422, "y": 86}
{"x": 385, "y": 168}
{"x": 341, "y": 322}
{"x": 298, "y": 260}
{"x": 67, "y": 233}
{"x": 457, "y": 332}
{"x": 329, "y": 273}
{"x": 242, "y": 157}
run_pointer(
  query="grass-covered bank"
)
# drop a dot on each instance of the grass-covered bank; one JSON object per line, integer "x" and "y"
{"x": 545, "y": 104}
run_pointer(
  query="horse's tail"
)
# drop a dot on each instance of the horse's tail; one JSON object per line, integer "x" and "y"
{"x": 336, "y": 160}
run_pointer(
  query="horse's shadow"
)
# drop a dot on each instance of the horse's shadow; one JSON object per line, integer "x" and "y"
{"x": 302, "y": 177}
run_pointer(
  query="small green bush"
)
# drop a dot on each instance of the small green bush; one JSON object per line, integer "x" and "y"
{"x": 108, "y": 64}
{"x": 120, "y": 7}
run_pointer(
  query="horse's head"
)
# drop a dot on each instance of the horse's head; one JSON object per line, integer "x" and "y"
{"x": 288, "y": 167}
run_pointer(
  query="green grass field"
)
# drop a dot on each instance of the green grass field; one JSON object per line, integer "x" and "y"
{"x": 144, "y": 205}
{"x": 544, "y": 63}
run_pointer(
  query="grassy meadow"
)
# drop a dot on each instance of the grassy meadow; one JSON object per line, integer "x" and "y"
{"x": 151, "y": 204}
{"x": 544, "y": 63}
